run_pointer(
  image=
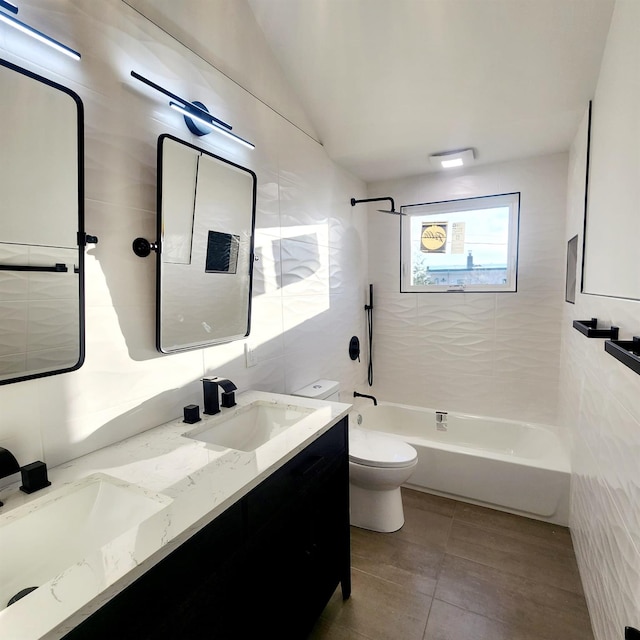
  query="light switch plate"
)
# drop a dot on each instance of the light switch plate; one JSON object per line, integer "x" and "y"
{"x": 250, "y": 357}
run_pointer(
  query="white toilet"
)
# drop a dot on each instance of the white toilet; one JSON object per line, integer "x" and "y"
{"x": 378, "y": 465}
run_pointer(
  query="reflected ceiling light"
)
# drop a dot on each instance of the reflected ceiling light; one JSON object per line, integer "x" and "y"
{"x": 196, "y": 115}
{"x": 34, "y": 33}
{"x": 451, "y": 159}
{"x": 354, "y": 202}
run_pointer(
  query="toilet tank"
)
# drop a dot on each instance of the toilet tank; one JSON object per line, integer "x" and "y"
{"x": 321, "y": 390}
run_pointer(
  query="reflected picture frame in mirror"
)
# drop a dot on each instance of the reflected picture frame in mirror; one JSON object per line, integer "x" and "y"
{"x": 42, "y": 237}
{"x": 205, "y": 247}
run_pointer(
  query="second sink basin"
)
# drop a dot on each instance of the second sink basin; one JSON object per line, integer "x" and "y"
{"x": 43, "y": 538}
{"x": 249, "y": 427}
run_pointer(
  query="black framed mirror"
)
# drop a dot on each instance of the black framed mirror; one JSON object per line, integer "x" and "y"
{"x": 41, "y": 226}
{"x": 205, "y": 239}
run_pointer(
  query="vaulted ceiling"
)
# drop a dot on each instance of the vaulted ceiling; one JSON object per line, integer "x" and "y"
{"x": 386, "y": 83}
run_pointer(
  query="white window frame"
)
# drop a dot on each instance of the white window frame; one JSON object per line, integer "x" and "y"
{"x": 512, "y": 200}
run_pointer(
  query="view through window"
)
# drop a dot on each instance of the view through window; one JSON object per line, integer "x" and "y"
{"x": 461, "y": 245}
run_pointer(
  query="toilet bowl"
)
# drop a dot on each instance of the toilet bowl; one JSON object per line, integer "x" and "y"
{"x": 378, "y": 465}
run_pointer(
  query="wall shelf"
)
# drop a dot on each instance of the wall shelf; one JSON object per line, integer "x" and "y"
{"x": 590, "y": 329}
{"x": 627, "y": 351}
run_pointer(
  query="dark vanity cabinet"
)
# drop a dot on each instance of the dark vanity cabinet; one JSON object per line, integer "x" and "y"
{"x": 266, "y": 567}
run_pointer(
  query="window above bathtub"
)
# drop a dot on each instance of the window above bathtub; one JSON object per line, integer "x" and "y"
{"x": 460, "y": 245}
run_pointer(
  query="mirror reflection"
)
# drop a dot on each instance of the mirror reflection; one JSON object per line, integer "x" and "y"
{"x": 41, "y": 221}
{"x": 206, "y": 218}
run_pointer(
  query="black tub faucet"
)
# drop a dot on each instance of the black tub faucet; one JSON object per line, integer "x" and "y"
{"x": 211, "y": 399}
{"x": 364, "y": 395}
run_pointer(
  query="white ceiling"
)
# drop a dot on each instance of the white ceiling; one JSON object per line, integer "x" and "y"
{"x": 385, "y": 83}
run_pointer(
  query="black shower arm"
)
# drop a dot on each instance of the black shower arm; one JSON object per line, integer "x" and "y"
{"x": 354, "y": 202}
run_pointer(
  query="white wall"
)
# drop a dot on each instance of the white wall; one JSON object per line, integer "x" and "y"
{"x": 494, "y": 354}
{"x": 600, "y": 397}
{"x": 309, "y": 282}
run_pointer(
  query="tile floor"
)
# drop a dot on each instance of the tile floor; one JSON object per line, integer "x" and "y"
{"x": 459, "y": 572}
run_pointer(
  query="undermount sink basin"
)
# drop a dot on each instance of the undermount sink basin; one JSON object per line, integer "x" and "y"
{"x": 41, "y": 539}
{"x": 249, "y": 427}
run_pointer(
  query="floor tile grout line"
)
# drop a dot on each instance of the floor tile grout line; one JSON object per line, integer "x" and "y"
{"x": 529, "y": 580}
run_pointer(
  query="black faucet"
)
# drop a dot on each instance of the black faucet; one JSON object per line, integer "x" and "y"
{"x": 364, "y": 395}
{"x": 211, "y": 400}
{"x": 228, "y": 395}
{"x": 34, "y": 475}
{"x": 8, "y": 464}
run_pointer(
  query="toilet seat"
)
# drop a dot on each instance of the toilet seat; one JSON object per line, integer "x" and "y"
{"x": 375, "y": 449}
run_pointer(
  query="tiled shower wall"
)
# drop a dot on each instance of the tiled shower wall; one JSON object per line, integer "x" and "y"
{"x": 309, "y": 279}
{"x": 600, "y": 397}
{"x": 494, "y": 354}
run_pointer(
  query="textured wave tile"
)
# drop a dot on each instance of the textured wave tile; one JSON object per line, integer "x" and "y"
{"x": 265, "y": 337}
{"x": 54, "y": 286}
{"x": 529, "y": 313}
{"x": 267, "y": 274}
{"x": 52, "y": 359}
{"x": 14, "y": 285}
{"x": 617, "y": 446}
{"x": 305, "y": 266}
{"x": 525, "y": 397}
{"x": 392, "y": 351}
{"x": 13, "y": 320}
{"x": 347, "y": 265}
{"x": 267, "y": 204}
{"x": 457, "y": 312}
{"x": 115, "y": 275}
{"x": 610, "y": 563}
{"x": 393, "y": 311}
{"x": 52, "y": 324}
{"x": 526, "y": 353}
{"x": 622, "y": 383}
{"x": 453, "y": 353}
{"x": 13, "y": 364}
{"x": 309, "y": 344}
{"x": 384, "y": 250}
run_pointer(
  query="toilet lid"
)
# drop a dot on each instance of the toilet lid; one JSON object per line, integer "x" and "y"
{"x": 375, "y": 449}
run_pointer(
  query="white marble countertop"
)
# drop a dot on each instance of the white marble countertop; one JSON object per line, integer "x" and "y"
{"x": 195, "y": 480}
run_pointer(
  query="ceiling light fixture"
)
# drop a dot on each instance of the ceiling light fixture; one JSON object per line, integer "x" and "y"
{"x": 451, "y": 159}
{"x": 34, "y": 33}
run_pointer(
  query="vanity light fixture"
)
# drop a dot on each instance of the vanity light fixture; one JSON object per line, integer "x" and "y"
{"x": 9, "y": 6}
{"x": 196, "y": 115}
{"x": 452, "y": 159}
{"x": 34, "y": 33}
{"x": 193, "y": 119}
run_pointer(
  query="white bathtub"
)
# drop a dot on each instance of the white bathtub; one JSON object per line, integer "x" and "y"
{"x": 518, "y": 467}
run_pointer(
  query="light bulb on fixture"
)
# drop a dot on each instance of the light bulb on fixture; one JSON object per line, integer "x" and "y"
{"x": 34, "y": 33}
{"x": 211, "y": 125}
